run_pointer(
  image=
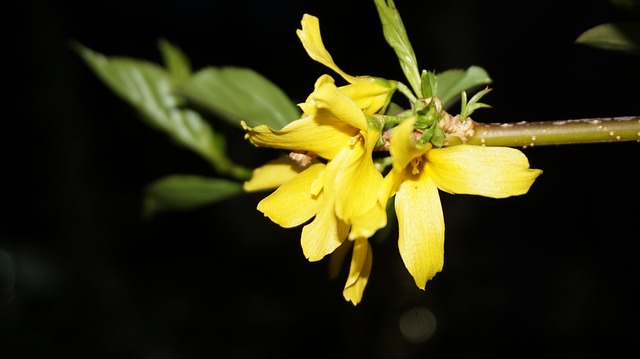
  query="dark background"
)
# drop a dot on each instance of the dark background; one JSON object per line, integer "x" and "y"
{"x": 551, "y": 273}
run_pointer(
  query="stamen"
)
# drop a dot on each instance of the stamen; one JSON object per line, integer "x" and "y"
{"x": 415, "y": 162}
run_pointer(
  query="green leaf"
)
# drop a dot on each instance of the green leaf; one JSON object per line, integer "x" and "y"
{"x": 187, "y": 192}
{"x": 622, "y": 36}
{"x": 396, "y": 36}
{"x": 176, "y": 62}
{"x": 149, "y": 89}
{"x": 451, "y": 83}
{"x": 237, "y": 93}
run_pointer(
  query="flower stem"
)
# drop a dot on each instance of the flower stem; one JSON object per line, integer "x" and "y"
{"x": 406, "y": 92}
{"x": 543, "y": 133}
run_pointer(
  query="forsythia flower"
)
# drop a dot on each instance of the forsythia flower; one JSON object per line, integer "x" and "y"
{"x": 329, "y": 182}
{"x": 371, "y": 94}
{"x": 420, "y": 170}
{"x": 341, "y": 194}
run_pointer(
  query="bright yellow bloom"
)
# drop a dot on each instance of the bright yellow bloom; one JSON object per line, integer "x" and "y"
{"x": 341, "y": 194}
{"x": 338, "y": 189}
{"x": 331, "y": 186}
{"x": 370, "y": 93}
{"x": 420, "y": 170}
{"x": 337, "y": 131}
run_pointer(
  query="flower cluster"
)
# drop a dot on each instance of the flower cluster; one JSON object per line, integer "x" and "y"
{"x": 330, "y": 184}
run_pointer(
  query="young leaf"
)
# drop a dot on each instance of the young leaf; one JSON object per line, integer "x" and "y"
{"x": 186, "y": 192}
{"x": 467, "y": 108}
{"x": 451, "y": 83}
{"x": 624, "y": 37}
{"x": 236, "y": 93}
{"x": 429, "y": 83}
{"x": 149, "y": 89}
{"x": 396, "y": 36}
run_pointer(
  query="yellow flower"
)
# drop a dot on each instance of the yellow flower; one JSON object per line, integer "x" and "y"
{"x": 338, "y": 188}
{"x": 419, "y": 171}
{"x": 337, "y": 131}
{"x": 341, "y": 193}
{"x": 370, "y": 93}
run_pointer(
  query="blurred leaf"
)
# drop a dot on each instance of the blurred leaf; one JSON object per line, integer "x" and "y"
{"x": 187, "y": 192}
{"x": 237, "y": 93}
{"x": 626, "y": 4}
{"x": 622, "y": 36}
{"x": 175, "y": 60}
{"x": 150, "y": 90}
{"x": 451, "y": 83}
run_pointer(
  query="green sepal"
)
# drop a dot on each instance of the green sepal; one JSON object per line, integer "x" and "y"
{"x": 621, "y": 36}
{"x": 427, "y": 117}
{"x": 426, "y": 136}
{"x": 393, "y": 121}
{"x": 438, "y": 137}
{"x": 237, "y": 93}
{"x": 429, "y": 83}
{"x": 186, "y": 192}
{"x": 452, "y": 82}
{"x": 433, "y": 134}
{"x": 396, "y": 36}
{"x": 376, "y": 122}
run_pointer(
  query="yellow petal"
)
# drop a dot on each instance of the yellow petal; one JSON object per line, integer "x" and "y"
{"x": 359, "y": 271}
{"x": 356, "y": 180}
{"x": 367, "y": 224}
{"x": 310, "y": 107}
{"x": 496, "y": 172}
{"x": 390, "y": 185}
{"x": 327, "y": 96}
{"x": 402, "y": 148}
{"x": 370, "y": 94}
{"x": 312, "y": 41}
{"x": 318, "y": 184}
{"x": 292, "y": 204}
{"x": 325, "y": 233}
{"x": 273, "y": 174}
{"x": 421, "y": 227}
{"x": 322, "y": 135}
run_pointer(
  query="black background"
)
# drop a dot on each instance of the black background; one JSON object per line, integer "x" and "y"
{"x": 551, "y": 273}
